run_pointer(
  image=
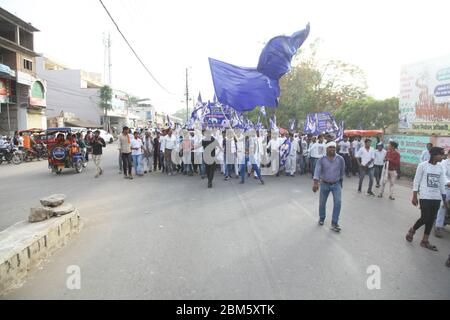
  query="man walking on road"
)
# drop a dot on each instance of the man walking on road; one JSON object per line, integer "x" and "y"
{"x": 156, "y": 152}
{"x": 169, "y": 145}
{"x": 209, "y": 145}
{"x": 97, "y": 144}
{"x": 393, "y": 157}
{"x": 365, "y": 158}
{"x": 330, "y": 171}
{"x": 148, "y": 152}
{"x": 137, "y": 148}
{"x": 439, "y": 226}
{"x": 430, "y": 183}
{"x": 380, "y": 154}
{"x": 125, "y": 152}
{"x": 344, "y": 152}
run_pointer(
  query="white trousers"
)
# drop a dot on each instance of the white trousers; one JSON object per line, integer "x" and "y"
{"x": 442, "y": 211}
{"x": 291, "y": 164}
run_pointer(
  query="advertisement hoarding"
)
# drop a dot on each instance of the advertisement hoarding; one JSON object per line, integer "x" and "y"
{"x": 424, "y": 104}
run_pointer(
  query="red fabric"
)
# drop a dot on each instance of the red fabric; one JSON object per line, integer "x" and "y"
{"x": 394, "y": 159}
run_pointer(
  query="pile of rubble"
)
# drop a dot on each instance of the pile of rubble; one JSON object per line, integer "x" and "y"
{"x": 52, "y": 206}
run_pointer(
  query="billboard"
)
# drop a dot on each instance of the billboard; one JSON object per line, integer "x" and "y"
{"x": 410, "y": 147}
{"x": 425, "y": 97}
{"x": 320, "y": 122}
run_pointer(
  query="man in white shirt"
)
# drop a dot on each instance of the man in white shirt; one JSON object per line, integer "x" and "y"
{"x": 439, "y": 226}
{"x": 169, "y": 145}
{"x": 316, "y": 151}
{"x": 426, "y": 153}
{"x": 240, "y": 150}
{"x": 229, "y": 153}
{"x": 274, "y": 147}
{"x": 137, "y": 148}
{"x": 356, "y": 144}
{"x": 259, "y": 149}
{"x": 365, "y": 159}
{"x": 380, "y": 154}
{"x": 162, "y": 148}
{"x": 344, "y": 152}
{"x": 198, "y": 154}
{"x": 291, "y": 163}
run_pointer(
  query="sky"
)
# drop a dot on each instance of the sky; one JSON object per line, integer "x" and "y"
{"x": 172, "y": 35}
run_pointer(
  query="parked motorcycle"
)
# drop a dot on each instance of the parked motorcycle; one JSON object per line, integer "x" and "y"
{"x": 38, "y": 151}
{"x": 10, "y": 153}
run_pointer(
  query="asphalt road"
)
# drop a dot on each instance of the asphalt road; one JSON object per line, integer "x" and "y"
{"x": 161, "y": 237}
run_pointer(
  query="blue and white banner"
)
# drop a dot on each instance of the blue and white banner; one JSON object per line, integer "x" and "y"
{"x": 320, "y": 123}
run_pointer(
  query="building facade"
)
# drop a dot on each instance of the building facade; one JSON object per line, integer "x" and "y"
{"x": 22, "y": 92}
{"x": 70, "y": 91}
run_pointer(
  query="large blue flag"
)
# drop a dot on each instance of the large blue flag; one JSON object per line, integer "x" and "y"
{"x": 245, "y": 88}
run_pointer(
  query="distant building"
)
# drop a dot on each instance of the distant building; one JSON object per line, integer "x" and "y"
{"x": 22, "y": 93}
{"x": 70, "y": 91}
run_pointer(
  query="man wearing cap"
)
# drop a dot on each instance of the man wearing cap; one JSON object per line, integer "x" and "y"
{"x": 330, "y": 171}
{"x": 380, "y": 153}
{"x": 365, "y": 158}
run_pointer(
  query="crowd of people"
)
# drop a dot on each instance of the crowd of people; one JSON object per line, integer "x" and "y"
{"x": 258, "y": 153}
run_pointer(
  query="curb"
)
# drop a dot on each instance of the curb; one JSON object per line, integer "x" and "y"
{"x": 24, "y": 245}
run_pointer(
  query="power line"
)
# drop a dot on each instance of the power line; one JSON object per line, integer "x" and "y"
{"x": 131, "y": 48}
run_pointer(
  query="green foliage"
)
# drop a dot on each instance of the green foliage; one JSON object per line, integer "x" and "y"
{"x": 315, "y": 86}
{"x": 105, "y": 98}
{"x": 369, "y": 113}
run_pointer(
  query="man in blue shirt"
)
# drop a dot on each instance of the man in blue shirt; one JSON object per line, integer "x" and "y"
{"x": 330, "y": 171}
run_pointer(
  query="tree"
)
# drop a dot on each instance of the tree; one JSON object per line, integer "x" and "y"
{"x": 369, "y": 113}
{"x": 315, "y": 86}
{"x": 105, "y": 104}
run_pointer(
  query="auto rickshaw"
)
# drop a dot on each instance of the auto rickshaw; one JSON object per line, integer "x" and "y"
{"x": 62, "y": 151}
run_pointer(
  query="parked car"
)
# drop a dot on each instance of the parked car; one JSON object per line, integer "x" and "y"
{"x": 108, "y": 137}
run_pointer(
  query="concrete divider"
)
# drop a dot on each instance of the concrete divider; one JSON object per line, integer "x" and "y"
{"x": 24, "y": 245}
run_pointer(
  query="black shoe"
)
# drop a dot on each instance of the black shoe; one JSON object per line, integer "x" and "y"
{"x": 335, "y": 228}
{"x": 262, "y": 181}
{"x": 209, "y": 185}
{"x": 370, "y": 193}
{"x": 241, "y": 182}
{"x": 320, "y": 222}
{"x": 377, "y": 186}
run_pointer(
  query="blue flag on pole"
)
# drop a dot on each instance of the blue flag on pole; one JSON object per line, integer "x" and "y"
{"x": 245, "y": 88}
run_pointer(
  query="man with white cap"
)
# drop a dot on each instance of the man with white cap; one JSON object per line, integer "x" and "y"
{"x": 330, "y": 171}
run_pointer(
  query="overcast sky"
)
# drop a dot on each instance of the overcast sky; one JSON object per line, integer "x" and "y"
{"x": 378, "y": 36}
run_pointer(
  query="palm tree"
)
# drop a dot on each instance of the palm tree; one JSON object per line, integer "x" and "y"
{"x": 105, "y": 104}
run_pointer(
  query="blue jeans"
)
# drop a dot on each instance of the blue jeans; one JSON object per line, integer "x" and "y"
{"x": 325, "y": 190}
{"x": 188, "y": 168}
{"x": 362, "y": 173}
{"x": 137, "y": 163}
{"x": 244, "y": 167}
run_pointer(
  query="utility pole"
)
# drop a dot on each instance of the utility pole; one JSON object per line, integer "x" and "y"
{"x": 187, "y": 96}
{"x": 107, "y": 72}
